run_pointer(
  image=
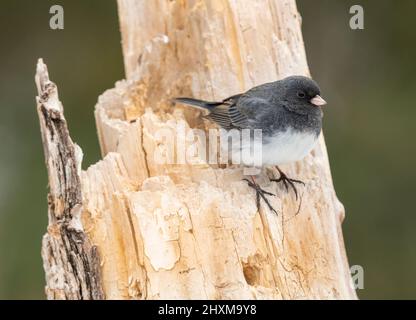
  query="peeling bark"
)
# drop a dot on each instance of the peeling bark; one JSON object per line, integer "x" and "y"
{"x": 193, "y": 231}
{"x": 70, "y": 261}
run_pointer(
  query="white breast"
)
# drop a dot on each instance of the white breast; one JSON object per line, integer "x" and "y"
{"x": 285, "y": 147}
{"x": 288, "y": 147}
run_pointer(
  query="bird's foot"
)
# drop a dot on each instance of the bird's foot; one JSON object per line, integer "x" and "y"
{"x": 287, "y": 182}
{"x": 260, "y": 193}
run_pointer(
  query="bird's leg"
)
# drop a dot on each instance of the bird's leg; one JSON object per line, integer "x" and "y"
{"x": 260, "y": 193}
{"x": 287, "y": 181}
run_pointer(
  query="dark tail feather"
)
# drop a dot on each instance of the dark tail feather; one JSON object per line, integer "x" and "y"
{"x": 197, "y": 103}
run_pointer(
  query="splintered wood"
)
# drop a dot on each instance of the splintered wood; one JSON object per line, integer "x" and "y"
{"x": 193, "y": 231}
{"x": 70, "y": 261}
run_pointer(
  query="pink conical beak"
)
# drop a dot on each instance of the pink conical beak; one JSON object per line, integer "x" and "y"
{"x": 318, "y": 101}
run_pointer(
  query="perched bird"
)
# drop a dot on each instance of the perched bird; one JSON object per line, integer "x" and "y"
{"x": 287, "y": 111}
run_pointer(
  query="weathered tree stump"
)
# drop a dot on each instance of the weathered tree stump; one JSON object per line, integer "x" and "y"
{"x": 132, "y": 228}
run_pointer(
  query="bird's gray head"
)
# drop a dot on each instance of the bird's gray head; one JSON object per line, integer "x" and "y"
{"x": 302, "y": 95}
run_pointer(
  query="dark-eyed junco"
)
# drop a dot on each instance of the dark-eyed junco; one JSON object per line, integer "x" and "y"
{"x": 288, "y": 113}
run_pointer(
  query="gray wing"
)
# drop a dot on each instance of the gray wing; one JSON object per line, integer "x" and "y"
{"x": 227, "y": 115}
{"x": 238, "y": 112}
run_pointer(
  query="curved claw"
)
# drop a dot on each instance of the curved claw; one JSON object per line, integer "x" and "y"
{"x": 286, "y": 185}
{"x": 260, "y": 193}
{"x": 288, "y": 182}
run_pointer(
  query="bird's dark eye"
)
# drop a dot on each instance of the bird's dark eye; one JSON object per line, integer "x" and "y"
{"x": 301, "y": 94}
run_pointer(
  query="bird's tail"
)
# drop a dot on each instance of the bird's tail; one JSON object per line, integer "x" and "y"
{"x": 201, "y": 104}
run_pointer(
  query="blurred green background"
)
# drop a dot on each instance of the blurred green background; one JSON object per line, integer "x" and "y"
{"x": 368, "y": 77}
